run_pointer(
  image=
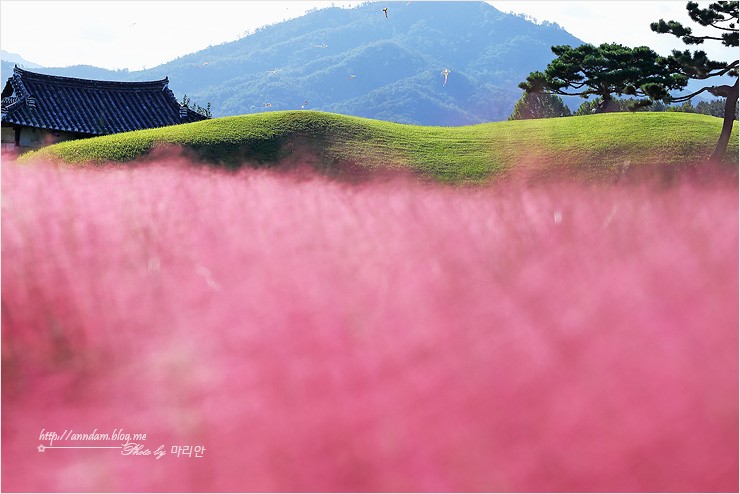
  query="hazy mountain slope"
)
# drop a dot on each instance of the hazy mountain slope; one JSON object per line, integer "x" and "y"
{"x": 9, "y": 59}
{"x": 79, "y": 71}
{"x": 358, "y": 62}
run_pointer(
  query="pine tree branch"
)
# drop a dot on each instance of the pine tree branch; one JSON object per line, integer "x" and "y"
{"x": 702, "y": 38}
{"x": 563, "y": 93}
{"x": 681, "y": 99}
{"x": 722, "y": 71}
{"x": 723, "y": 28}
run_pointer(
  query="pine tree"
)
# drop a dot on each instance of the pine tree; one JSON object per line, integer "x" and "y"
{"x": 722, "y": 16}
{"x": 605, "y": 71}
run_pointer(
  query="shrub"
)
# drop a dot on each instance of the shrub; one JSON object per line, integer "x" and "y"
{"x": 539, "y": 105}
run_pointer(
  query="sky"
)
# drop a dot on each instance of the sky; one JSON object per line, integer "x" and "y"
{"x": 143, "y": 34}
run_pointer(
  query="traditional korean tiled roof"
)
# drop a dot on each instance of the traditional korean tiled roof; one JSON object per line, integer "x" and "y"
{"x": 90, "y": 107}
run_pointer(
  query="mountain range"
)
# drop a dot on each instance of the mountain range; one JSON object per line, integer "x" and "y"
{"x": 357, "y": 61}
{"x": 427, "y": 63}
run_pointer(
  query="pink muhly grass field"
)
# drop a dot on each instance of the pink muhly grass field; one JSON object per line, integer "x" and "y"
{"x": 385, "y": 336}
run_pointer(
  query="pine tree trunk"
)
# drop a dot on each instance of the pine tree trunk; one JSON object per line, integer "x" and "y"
{"x": 606, "y": 105}
{"x": 724, "y": 137}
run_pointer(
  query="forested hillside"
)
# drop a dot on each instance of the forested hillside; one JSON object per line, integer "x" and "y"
{"x": 358, "y": 62}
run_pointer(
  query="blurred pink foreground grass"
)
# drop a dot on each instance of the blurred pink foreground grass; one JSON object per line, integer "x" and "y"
{"x": 320, "y": 336}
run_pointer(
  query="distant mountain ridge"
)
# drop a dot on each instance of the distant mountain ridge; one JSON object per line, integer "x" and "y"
{"x": 358, "y": 62}
{"x": 14, "y": 58}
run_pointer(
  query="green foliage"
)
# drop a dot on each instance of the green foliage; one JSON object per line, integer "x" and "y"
{"x": 685, "y": 107}
{"x": 604, "y": 71}
{"x": 206, "y": 112}
{"x": 617, "y": 105}
{"x": 594, "y": 147}
{"x": 539, "y": 105}
{"x": 716, "y": 108}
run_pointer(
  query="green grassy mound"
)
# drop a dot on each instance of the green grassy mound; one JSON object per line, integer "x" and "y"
{"x": 592, "y": 147}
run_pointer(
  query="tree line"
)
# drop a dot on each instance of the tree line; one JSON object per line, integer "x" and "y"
{"x": 543, "y": 105}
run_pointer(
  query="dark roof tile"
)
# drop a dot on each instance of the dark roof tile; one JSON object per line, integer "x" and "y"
{"x": 88, "y": 106}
